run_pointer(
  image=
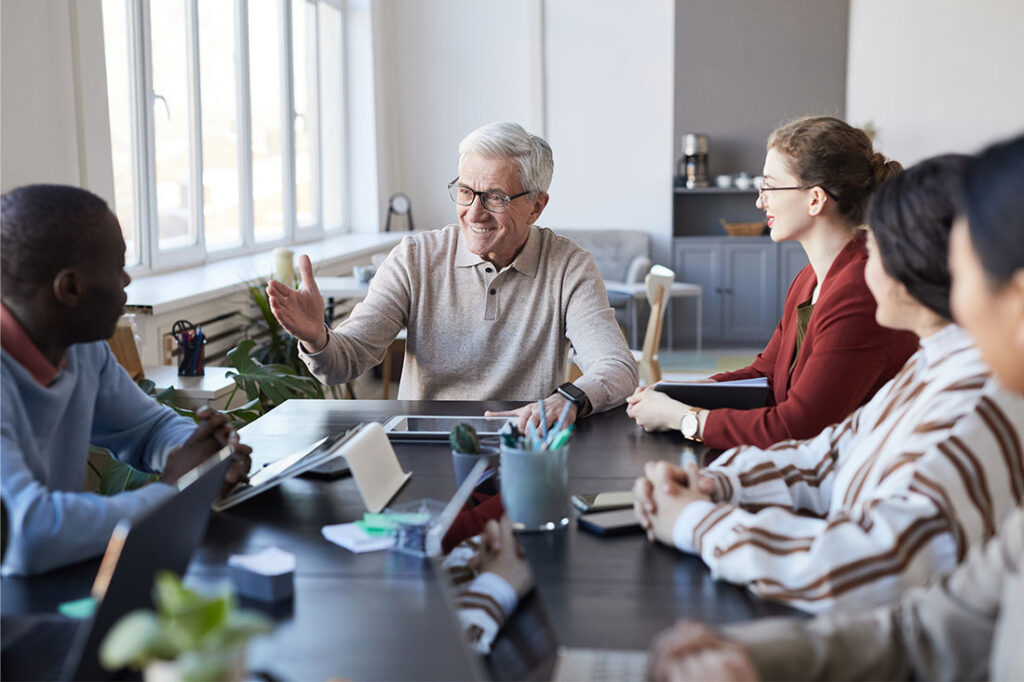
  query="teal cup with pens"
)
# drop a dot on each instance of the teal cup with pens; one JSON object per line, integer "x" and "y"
{"x": 535, "y": 486}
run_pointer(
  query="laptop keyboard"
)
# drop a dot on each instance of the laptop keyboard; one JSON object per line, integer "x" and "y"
{"x": 35, "y": 647}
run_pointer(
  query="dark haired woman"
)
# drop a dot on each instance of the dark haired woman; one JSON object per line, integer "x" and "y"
{"x": 900, "y": 490}
{"x": 827, "y": 356}
{"x": 969, "y": 626}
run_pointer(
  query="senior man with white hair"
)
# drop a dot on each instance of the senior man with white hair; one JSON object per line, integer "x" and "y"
{"x": 491, "y": 304}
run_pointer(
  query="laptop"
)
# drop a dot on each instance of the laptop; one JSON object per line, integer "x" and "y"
{"x": 526, "y": 647}
{"x": 162, "y": 539}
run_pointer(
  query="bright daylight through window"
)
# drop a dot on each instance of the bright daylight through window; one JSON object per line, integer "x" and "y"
{"x": 200, "y": 93}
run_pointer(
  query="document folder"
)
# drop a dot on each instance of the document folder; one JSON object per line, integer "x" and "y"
{"x": 745, "y": 394}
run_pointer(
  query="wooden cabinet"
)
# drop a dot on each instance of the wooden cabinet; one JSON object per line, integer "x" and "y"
{"x": 745, "y": 282}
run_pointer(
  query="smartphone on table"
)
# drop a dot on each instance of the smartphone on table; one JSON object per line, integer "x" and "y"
{"x": 615, "y": 522}
{"x": 607, "y": 501}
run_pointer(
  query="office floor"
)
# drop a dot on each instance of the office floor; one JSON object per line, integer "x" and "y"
{"x": 678, "y": 365}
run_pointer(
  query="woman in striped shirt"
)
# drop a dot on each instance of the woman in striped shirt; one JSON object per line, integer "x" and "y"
{"x": 898, "y": 491}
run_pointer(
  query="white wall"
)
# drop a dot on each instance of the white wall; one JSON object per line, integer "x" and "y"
{"x": 454, "y": 65}
{"x": 609, "y": 107}
{"x": 592, "y": 76}
{"x": 38, "y": 128}
{"x": 936, "y": 75}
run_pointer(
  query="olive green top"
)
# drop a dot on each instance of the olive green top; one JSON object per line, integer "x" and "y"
{"x": 803, "y": 318}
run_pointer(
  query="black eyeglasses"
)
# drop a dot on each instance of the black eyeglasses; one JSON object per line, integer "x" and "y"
{"x": 765, "y": 188}
{"x": 494, "y": 202}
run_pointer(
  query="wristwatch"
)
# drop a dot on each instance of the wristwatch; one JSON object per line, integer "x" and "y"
{"x": 690, "y": 424}
{"x": 575, "y": 395}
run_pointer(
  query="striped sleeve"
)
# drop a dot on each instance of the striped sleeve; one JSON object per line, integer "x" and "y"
{"x": 918, "y": 519}
{"x": 793, "y": 474}
{"x": 950, "y": 630}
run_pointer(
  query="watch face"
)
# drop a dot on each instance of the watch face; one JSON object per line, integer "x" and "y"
{"x": 573, "y": 393}
{"x": 689, "y": 424}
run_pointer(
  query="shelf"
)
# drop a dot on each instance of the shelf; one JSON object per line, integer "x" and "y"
{"x": 713, "y": 190}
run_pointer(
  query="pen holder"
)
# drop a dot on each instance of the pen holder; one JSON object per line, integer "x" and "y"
{"x": 191, "y": 341}
{"x": 535, "y": 487}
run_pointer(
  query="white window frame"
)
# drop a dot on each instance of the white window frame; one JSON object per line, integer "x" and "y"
{"x": 144, "y": 205}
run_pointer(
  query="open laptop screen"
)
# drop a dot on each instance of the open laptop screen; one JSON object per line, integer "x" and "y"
{"x": 490, "y": 593}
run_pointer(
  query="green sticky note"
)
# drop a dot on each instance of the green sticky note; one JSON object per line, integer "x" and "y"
{"x": 372, "y": 531}
{"x": 78, "y": 608}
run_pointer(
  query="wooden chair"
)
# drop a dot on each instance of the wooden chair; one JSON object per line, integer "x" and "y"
{"x": 658, "y": 282}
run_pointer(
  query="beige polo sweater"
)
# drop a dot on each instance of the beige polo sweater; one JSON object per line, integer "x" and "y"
{"x": 475, "y": 333}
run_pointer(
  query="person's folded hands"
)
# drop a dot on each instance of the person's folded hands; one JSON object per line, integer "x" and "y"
{"x": 689, "y": 651}
{"x": 669, "y": 490}
{"x": 654, "y": 410}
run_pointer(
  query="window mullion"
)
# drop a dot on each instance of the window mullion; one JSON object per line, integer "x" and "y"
{"x": 195, "y": 125}
{"x": 146, "y": 135}
{"x": 243, "y": 106}
{"x": 288, "y": 198}
{"x": 314, "y": 112}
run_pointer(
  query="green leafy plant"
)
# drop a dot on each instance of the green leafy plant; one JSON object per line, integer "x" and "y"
{"x": 114, "y": 475}
{"x": 463, "y": 439}
{"x": 205, "y": 635}
{"x": 280, "y": 347}
{"x": 267, "y": 385}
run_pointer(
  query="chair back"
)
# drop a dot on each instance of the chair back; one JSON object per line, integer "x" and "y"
{"x": 122, "y": 343}
{"x": 658, "y": 282}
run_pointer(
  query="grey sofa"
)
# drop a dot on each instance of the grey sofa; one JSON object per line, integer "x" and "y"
{"x": 621, "y": 255}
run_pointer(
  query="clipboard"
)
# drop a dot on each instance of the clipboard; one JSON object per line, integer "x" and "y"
{"x": 289, "y": 466}
{"x": 371, "y": 458}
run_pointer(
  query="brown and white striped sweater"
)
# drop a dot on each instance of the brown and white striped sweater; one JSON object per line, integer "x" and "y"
{"x": 888, "y": 498}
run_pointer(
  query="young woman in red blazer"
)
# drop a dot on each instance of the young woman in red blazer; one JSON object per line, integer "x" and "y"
{"x": 819, "y": 173}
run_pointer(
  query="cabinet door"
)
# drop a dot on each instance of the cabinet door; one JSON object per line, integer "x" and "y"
{"x": 750, "y": 291}
{"x": 698, "y": 261}
{"x": 792, "y": 259}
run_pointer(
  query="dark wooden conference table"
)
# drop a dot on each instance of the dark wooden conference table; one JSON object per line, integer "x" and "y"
{"x": 379, "y": 615}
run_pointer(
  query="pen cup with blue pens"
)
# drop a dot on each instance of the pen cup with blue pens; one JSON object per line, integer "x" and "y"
{"x": 535, "y": 486}
{"x": 191, "y": 342}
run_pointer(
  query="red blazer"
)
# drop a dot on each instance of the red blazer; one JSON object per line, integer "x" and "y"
{"x": 845, "y": 358}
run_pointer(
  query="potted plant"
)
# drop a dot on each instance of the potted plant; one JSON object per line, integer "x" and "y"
{"x": 188, "y": 637}
{"x": 466, "y": 450}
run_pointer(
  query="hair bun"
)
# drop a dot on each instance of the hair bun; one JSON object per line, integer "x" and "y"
{"x": 883, "y": 168}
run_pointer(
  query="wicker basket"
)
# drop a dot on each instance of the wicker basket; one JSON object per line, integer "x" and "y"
{"x": 744, "y": 229}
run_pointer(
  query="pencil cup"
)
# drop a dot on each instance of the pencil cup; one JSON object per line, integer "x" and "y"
{"x": 464, "y": 463}
{"x": 535, "y": 487}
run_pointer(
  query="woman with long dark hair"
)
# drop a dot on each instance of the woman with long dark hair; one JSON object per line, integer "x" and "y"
{"x": 970, "y": 625}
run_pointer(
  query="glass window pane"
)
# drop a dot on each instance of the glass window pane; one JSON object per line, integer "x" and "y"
{"x": 266, "y": 98}
{"x": 218, "y": 81}
{"x": 119, "y": 104}
{"x": 332, "y": 116}
{"x": 304, "y": 85}
{"x": 170, "y": 123}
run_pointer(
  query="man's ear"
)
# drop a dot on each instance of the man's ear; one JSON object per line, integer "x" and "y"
{"x": 538, "y": 206}
{"x": 1015, "y": 289}
{"x": 818, "y": 201}
{"x": 67, "y": 287}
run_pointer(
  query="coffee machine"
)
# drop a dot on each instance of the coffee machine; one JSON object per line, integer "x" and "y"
{"x": 692, "y": 167}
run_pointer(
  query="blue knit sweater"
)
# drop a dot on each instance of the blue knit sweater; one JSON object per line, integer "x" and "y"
{"x": 46, "y": 434}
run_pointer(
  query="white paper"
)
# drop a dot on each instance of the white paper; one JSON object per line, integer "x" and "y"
{"x": 270, "y": 561}
{"x": 354, "y": 539}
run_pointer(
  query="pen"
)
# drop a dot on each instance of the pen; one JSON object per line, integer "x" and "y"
{"x": 562, "y": 417}
{"x": 561, "y": 438}
{"x": 531, "y": 436}
{"x": 543, "y": 420}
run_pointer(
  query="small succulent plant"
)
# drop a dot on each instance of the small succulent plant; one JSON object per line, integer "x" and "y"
{"x": 464, "y": 439}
